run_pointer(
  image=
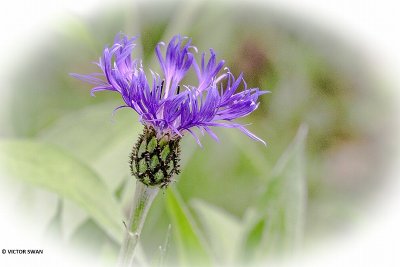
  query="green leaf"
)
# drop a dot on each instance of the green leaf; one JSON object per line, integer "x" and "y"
{"x": 36, "y": 205}
{"x": 78, "y": 133}
{"x": 54, "y": 169}
{"x": 159, "y": 260}
{"x": 98, "y": 139}
{"x": 278, "y": 220}
{"x": 89, "y": 238}
{"x": 72, "y": 216}
{"x": 254, "y": 153}
{"x": 223, "y": 230}
{"x": 254, "y": 238}
{"x": 191, "y": 246}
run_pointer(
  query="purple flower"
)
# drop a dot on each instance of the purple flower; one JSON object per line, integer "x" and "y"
{"x": 166, "y": 104}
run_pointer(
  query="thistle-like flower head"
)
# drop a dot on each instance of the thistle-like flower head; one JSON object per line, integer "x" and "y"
{"x": 167, "y": 107}
{"x": 166, "y": 104}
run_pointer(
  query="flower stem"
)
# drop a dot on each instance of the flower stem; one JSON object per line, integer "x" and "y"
{"x": 144, "y": 196}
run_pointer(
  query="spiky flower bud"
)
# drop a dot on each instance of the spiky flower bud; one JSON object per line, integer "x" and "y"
{"x": 155, "y": 159}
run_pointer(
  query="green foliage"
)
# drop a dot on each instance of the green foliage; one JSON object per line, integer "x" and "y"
{"x": 159, "y": 260}
{"x": 279, "y": 215}
{"x": 56, "y": 170}
{"x": 223, "y": 231}
{"x": 95, "y": 137}
{"x": 192, "y": 249}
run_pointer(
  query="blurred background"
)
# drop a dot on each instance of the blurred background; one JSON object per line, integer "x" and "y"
{"x": 328, "y": 123}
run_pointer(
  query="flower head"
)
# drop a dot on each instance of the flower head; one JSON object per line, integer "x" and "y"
{"x": 163, "y": 102}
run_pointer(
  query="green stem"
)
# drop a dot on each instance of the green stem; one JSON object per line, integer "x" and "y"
{"x": 144, "y": 196}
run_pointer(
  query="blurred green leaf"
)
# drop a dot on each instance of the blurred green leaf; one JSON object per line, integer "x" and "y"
{"x": 89, "y": 237}
{"x": 223, "y": 230}
{"x": 98, "y": 139}
{"x": 53, "y": 229}
{"x": 75, "y": 133}
{"x": 54, "y": 169}
{"x": 78, "y": 31}
{"x": 192, "y": 249}
{"x": 159, "y": 260}
{"x": 253, "y": 238}
{"x": 253, "y": 151}
{"x": 71, "y": 217}
{"x": 278, "y": 220}
{"x": 38, "y": 206}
